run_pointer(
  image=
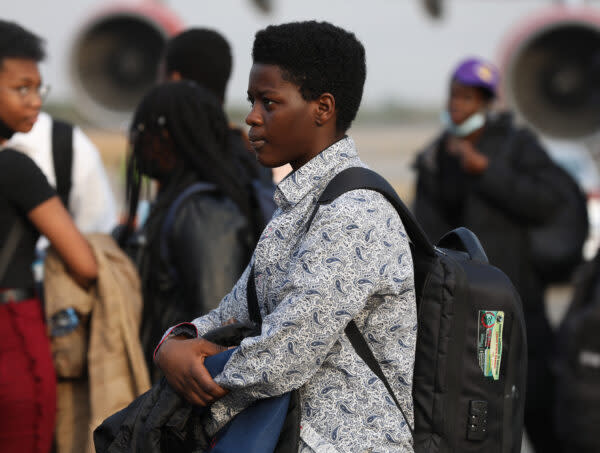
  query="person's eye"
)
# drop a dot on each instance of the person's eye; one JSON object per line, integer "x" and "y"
{"x": 23, "y": 90}
{"x": 268, "y": 102}
{"x": 250, "y": 100}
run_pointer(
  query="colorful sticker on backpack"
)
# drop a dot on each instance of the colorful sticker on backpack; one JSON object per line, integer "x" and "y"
{"x": 489, "y": 342}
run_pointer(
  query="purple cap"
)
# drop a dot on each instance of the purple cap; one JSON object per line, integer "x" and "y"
{"x": 477, "y": 73}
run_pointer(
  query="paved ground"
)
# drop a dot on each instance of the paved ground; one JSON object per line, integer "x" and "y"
{"x": 390, "y": 150}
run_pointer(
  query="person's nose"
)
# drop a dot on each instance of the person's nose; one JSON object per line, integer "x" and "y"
{"x": 35, "y": 100}
{"x": 254, "y": 117}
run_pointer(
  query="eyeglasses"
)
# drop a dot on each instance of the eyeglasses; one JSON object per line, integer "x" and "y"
{"x": 26, "y": 92}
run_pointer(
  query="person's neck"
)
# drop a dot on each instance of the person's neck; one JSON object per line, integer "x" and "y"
{"x": 474, "y": 136}
{"x": 320, "y": 144}
{"x": 329, "y": 141}
{"x": 5, "y": 132}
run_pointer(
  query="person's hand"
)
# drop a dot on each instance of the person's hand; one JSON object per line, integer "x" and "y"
{"x": 472, "y": 161}
{"x": 181, "y": 360}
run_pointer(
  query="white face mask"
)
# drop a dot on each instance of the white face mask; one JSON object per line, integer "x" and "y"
{"x": 467, "y": 127}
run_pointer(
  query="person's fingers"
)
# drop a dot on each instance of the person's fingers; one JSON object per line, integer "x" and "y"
{"x": 454, "y": 148}
{"x": 206, "y": 383}
{"x": 206, "y": 348}
{"x": 196, "y": 396}
{"x": 189, "y": 389}
{"x": 182, "y": 363}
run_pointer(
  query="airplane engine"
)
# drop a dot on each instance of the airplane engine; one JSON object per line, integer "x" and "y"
{"x": 551, "y": 72}
{"x": 115, "y": 58}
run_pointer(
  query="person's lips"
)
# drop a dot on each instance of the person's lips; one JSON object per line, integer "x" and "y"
{"x": 32, "y": 119}
{"x": 257, "y": 142}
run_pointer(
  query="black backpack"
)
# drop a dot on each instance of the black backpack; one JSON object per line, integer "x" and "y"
{"x": 556, "y": 247}
{"x": 578, "y": 365}
{"x": 471, "y": 360}
{"x": 262, "y": 198}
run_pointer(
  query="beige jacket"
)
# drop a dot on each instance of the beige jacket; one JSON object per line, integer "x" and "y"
{"x": 103, "y": 358}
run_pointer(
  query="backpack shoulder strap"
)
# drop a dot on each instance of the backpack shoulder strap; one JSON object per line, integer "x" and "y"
{"x": 362, "y": 178}
{"x": 252, "y": 299}
{"x": 62, "y": 157}
{"x": 10, "y": 245}
{"x": 167, "y": 224}
{"x": 354, "y": 178}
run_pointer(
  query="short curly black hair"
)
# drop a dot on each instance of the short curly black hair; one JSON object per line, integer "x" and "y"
{"x": 16, "y": 42}
{"x": 201, "y": 55}
{"x": 320, "y": 58}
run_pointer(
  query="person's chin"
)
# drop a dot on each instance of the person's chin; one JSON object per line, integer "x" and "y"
{"x": 267, "y": 160}
{"x": 26, "y": 125}
{"x": 269, "y": 163}
{"x": 458, "y": 119}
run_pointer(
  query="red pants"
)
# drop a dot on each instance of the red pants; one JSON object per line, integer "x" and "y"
{"x": 27, "y": 380}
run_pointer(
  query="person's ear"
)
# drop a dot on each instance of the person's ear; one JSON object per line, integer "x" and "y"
{"x": 325, "y": 109}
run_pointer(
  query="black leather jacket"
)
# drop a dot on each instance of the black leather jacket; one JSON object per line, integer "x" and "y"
{"x": 210, "y": 244}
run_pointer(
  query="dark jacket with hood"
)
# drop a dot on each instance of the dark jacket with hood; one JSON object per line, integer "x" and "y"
{"x": 514, "y": 193}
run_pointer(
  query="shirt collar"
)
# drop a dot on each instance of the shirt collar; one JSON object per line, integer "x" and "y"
{"x": 309, "y": 177}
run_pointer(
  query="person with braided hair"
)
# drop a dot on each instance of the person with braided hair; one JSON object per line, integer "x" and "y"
{"x": 199, "y": 234}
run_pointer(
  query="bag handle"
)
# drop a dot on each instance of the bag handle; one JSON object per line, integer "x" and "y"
{"x": 464, "y": 240}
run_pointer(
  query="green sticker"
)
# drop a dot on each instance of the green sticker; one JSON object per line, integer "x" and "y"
{"x": 489, "y": 342}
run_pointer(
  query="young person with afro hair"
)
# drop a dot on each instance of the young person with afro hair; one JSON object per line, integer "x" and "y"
{"x": 354, "y": 262}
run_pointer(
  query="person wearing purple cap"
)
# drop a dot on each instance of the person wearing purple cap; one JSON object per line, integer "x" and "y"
{"x": 484, "y": 173}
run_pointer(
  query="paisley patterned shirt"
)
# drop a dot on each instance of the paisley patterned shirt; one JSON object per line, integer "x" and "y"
{"x": 353, "y": 263}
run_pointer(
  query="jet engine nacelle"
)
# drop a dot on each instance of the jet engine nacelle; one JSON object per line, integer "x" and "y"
{"x": 551, "y": 72}
{"x": 116, "y": 56}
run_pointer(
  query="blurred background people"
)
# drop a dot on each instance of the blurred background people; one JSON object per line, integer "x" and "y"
{"x": 484, "y": 173}
{"x": 76, "y": 166}
{"x": 577, "y": 412}
{"x": 28, "y": 207}
{"x": 198, "y": 237}
{"x": 204, "y": 56}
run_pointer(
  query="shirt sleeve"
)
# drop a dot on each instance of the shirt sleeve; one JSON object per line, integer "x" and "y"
{"x": 91, "y": 201}
{"x": 340, "y": 264}
{"x": 22, "y": 183}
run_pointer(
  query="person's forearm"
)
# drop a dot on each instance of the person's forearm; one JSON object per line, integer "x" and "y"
{"x": 52, "y": 220}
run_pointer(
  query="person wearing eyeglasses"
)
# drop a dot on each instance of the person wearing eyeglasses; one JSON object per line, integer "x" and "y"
{"x": 76, "y": 170}
{"x": 29, "y": 207}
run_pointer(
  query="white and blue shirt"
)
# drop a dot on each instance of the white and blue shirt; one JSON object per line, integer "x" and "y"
{"x": 353, "y": 263}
